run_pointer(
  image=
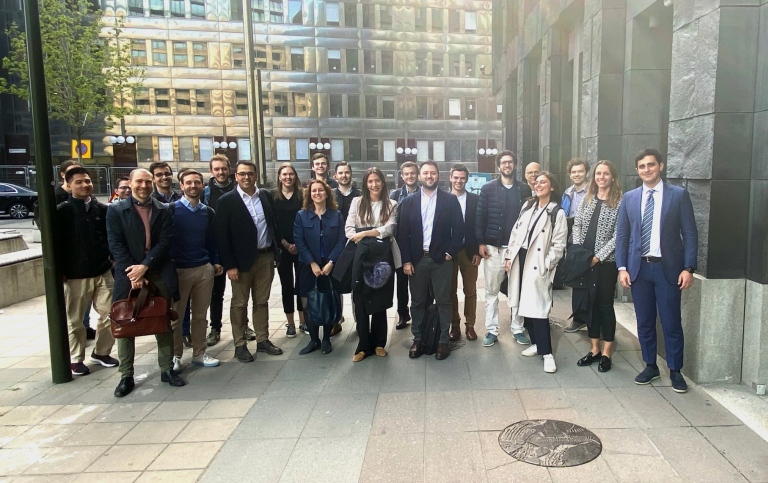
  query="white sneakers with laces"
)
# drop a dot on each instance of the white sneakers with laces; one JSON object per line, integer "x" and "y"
{"x": 549, "y": 363}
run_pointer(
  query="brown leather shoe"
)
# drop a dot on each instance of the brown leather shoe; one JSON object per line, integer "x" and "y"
{"x": 443, "y": 351}
{"x": 471, "y": 334}
{"x": 415, "y": 350}
{"x": 336, "y": 329}
{"x": 454, "y": 334}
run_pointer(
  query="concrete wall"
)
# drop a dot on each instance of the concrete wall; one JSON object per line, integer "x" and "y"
{"x": 28, "y": 281}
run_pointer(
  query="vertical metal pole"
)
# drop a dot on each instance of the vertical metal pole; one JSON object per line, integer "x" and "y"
{"x": 253, "y": 86}
{"x": 58, "y": 338}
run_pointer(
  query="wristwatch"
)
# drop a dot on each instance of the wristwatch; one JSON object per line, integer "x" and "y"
{"x": 690, "y": 270}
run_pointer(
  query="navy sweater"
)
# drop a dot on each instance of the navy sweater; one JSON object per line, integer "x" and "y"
{"x": 193, "y": 240}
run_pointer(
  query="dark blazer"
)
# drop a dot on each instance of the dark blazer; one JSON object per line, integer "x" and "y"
{"x": 447, "y": 231}
{"x": 126, "y": 235}
{"x": 236, "y": 236}
{"x": 306, "y": 235}
{"x": 471, "y": 246}
{"x": 679, "y": 235}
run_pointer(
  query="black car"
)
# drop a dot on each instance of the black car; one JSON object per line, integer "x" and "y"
{"x": 17, "y": 201}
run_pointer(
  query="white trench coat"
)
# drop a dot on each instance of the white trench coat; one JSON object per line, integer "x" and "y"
{"x": 546, "y": 248}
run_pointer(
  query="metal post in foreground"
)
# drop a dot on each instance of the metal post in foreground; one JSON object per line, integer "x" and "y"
{"x": 58, "y": 337}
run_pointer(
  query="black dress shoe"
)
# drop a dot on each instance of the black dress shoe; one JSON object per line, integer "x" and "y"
{"x": 125, "y": 387}
{"x": 171, "y": 378}
{"x": 415, "y": 350}
{"x": 604, "y": 365}
{"x": 326, "y": 347}
{"x": 268, "y": 347}
{"x": 443, "y": 351}
{"x": 311, "y": 347}
{"x": 402, "y": 323}
{"x": 588, "y": 359}
{"x": 243, "y": 354}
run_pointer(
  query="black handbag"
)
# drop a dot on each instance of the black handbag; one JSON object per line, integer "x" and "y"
{"x": 342, "y": 269}
{"x": 323, "y": 302}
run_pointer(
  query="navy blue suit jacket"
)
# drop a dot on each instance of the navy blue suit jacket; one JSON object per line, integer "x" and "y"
{"x": 679, "y": 238}
{"x": 306, "y": 235}
{"x": 447, "y": 229}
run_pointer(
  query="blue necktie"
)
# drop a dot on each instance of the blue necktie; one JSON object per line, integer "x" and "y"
{"x": 645, "y": 233}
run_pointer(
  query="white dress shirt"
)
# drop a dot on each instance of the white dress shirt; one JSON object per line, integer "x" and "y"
{"x": 428, "y": 204}
{"x": 463, "y": 204}
{"x": 658, "y": 194}
{"x": 253, "y": 203}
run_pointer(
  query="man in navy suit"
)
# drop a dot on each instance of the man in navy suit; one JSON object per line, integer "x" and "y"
{"x": 430, "y": 234}
{"x": 656, "y": 249}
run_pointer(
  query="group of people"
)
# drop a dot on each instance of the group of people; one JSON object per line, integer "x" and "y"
{"x": 417, "y": 238}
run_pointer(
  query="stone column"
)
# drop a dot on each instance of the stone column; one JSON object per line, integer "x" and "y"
{"x": 526, "y": 131}
{"x": 602, "y": 79}
{"x": 551, "y": 105}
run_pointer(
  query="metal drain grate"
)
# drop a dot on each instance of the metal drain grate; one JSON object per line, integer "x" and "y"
{"x": 548, "y": 442}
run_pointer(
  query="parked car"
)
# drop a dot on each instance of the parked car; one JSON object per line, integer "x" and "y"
{"x": 17, "y": 201}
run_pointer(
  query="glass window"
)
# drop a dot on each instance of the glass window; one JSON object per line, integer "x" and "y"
{"x": 350, "y": 14}
{"x": 259, "y": 14}
{"x": 186, "y": 149}
{"x": 337, "y": 149}
{"x": 159, "y": 53}
{"x": 294, "y": 12}
{"x": 438, "y": 150}
{"x": 300, "y": 104}
{"x": 297, "y": 59}
{"x": 369, "y": 59}
{"x": 235, "y": 10}
{"x": 455, "y": 62}
{"x": 334, "y": 60}
{"x": 200, "y": 54}
{"x": 372, "y": 149}
{"x": 352, "y": 61}
{"x": 389, "y": 150}
{"x": 238, "y": 56}
{"x": 385, "y": 17}
{"x": 469, "y": 65}
{"x": 177, "y": 8}
{"x": 275, "y": 11}
{"x": 437, "y": 64}
{"x": 423, "y": 151}
{"x": 265, "y": 104}
{"x": 302, "y": 148}
{"x": 241, "y": 103}
{"x": 156, "y": 8}
{"x": 421, "y": 19}
{"x": 453, "y": 147}
{"x": 454, "y": 20}
{"x": 355, "y": 150}
{"x": 206, "y": 147}
{"x": 388, "y": 107}
{"x": 180, "y": 56}
{"x": 438, "y": 108}
{"x": 437, "y": 19}
{"x": 470, "y": 112}
{"x": 281, "y": 105}
{"x": 136, "y": 7}
{"x": 183, "y": 104}
{"x": 421, "y": 107}
{"x": 197, "y": 8}
{"x": 141, "y": 100}
{"x": 470, "y": 21}
{"x": 162, "y": 101}
{"x": 260, "y": 56}
{"x": 278, "y": 60}
{"x": 369, "y": 16}
{"x": 332, "y": 14}
{"x": 387, "y": 62}
{"x": 203, "y": 101}
{"x": 335, "y": 101}
{"x": 243, "y": 149}
{"x": 139, "y": 52}
{"x": 353, "y": 105}
{"x": 421, "y": 63}
{"x": 283, "y": 149}
{"x": 165, "y": 148}
{"x": 454, "y": 108}
{"x": 371, "y": 106}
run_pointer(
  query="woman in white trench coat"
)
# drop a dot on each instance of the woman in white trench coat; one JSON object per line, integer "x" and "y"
{"x": 535, "y": 246}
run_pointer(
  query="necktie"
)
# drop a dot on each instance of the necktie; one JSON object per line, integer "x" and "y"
{"x": 647, "y": 225}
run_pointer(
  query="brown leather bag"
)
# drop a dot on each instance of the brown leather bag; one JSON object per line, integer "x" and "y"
{"x": 142, "y": 315}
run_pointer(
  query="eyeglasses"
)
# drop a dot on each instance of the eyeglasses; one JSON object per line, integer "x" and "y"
{"x": 167, "y": 174}
{"x": 247, "y": 174}
{"x": 122, "y": 188}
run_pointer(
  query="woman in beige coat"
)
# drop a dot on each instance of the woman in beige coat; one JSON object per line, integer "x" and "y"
{"x": 536, "y": 244}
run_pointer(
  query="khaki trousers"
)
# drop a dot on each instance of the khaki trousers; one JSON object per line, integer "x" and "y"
{"x": 256, "y": 281}
{"x": 469, "y": 278}
{"x": 195, "y": 283}
{"x": 78, "y": 292}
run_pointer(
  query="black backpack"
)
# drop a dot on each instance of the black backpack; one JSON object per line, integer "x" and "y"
{"x": 430, "y": 327}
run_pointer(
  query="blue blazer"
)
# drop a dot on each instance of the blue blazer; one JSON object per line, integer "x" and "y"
{"x": 447, "y": 230}
{"x": 679, "y": 236}
{"x": 306, "y": 235}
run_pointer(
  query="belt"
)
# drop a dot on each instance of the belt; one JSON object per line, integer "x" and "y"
{"x": 651, "y": 259}
{"x": 426, "y": 254}
{"x": 265, "y": 250}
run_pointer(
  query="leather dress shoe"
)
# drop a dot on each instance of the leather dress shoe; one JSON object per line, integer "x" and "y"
{"x": 454, "y": 334}
{"x": 125, "y": 386}
{"x": 336, "y": 329}
{"x": 402, "y": 323}
{"x": 171, "y": 378}
{"x": 588, "y": 359}
{"x": 443, "y": 351}
{"x": 243, "y": 354}
{"x": 471, "y": 334}
{"x": 604, "y": 365}
{"x": 268, "y": 347}
{"x": 415, "y": 350}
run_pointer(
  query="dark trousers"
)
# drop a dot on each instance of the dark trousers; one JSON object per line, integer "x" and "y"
{"x": 402, "y": 294}
{"x": 217, "y": 300}
{"x": 372, "y": 334}
{"x": 426, "y": 271}
{"x": 288, "y": 271}
{"x": 651, "y": 290}
{"x": 603, "y": 316}
{"x": 538, "y": 329}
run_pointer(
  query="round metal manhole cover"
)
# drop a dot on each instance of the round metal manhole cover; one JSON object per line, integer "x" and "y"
{"x": 548, "y": 442}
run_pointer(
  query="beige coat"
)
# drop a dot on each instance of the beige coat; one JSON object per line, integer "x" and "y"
{"x": 546, "y": 248}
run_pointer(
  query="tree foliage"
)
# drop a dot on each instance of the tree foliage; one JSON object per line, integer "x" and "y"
{"x": 88, "y": 71}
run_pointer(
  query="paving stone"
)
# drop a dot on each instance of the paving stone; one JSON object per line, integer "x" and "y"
{"x": 310, "y": 387}
{"x": 153, "y": 432}
{"x": 354, "y": 378}
{"x": 699, "y": 408}
{"x": 8, "y": 433}
{"x": 126, "y": 412}
{"x": 399, "y": 413}
{"x": 536, "y": 399}
{"x": 336, "y": 415}
{"x": 742, "y": 447}
{"x": 44, "y": 436}
{"x": 15, "y": 461}
{"x": 113, "y": 477}
{"x": 393, "y": 457}
{"x": 175, "y": 411}
{"x": 448, "y": 412}
{"x": 207, "y": 430}
{"x": 488, "y": 370}
{"x": 596, "y": 470}
{"x": 262, "y": 422}
{"x": 341, "y": 464}
{"x": 495, "y": 410}
{"x": 465, "y": 463}
{"x": 126, "y": 458}
{"x": 649, "y": 408}
{"x": 640, "y": 468}
{"x": 99, "y": 433}
{"x": 24, "y": 415}
{"x": 67, "y": 460}
{"x": 173, "y": 476}
{"x": 227, "y": 408}
{"x": 451, "y": 374}
{"x": 182, "y": 456}
{"x": 404, "y": 375}
{"x": 598, "y": 408}
{"x": 76, "y": 414}
{"x": 234, "y": 456}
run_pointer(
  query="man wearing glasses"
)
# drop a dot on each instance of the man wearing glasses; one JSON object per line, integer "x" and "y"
{"x": 123, "y": 189}
{"x": 248, "y": 249}
{"x": 162, "y": 178}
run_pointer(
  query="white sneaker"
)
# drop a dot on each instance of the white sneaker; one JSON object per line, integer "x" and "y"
{"x": 205, "y": 360}
{"x": 531, "y": 351}
{"x": 176, "y": 364}
{"x": 549, "y": 363}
